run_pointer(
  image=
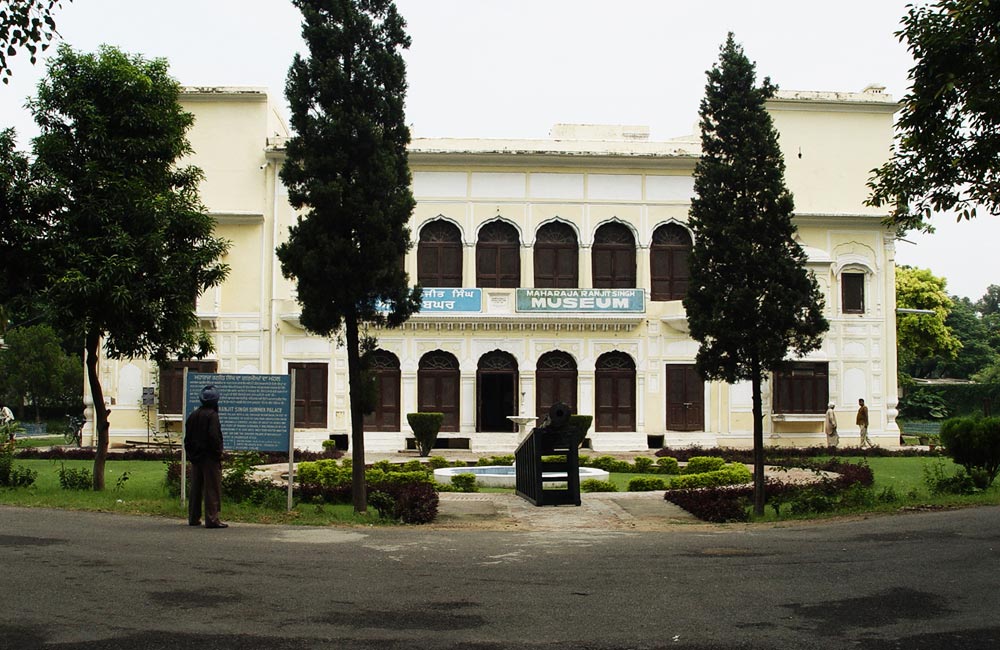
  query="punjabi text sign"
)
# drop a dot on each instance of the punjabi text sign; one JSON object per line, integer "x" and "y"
{"x": 254, "y": 410}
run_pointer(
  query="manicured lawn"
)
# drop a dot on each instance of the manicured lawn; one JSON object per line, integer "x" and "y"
{"x": 144, "y": 492}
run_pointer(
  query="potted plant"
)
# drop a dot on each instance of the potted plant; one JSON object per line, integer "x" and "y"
{"x": 425, "y": 429}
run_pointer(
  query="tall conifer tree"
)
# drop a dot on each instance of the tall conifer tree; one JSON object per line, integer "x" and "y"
{"x": 347, "y": 170}
{"x": 751, "y": 300}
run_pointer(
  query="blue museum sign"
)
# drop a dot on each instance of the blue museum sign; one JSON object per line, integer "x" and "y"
{"x": 581, "y": 300}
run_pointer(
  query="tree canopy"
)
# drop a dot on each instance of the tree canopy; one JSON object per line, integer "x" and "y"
{"x": 127, "y": 244}
{"x": 347, "y": 171}
{"x": 36, "y": 371}
{"x": 921, "y": 336}
{"x": 947, "y": 151}
{"x": 25, "y": 24}
{"x": 751, "y": 302}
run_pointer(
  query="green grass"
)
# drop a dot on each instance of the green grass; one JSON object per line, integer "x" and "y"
{"x": 144, "y": 493}
{"x": 40, "y": 441}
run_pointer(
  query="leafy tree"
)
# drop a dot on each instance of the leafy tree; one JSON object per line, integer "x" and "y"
{"x": 346, "y": 168}
{"x": 129, "y": 246}
{"x": 947, "y": 154}
{"x": 22, "y": 197}
{"x": 28, "y": 24}
{"x": 921, "y": 336}
{"x": 751, "y": 300}
{"x": 35, "y": 370}
{"x": 990, "y": 302}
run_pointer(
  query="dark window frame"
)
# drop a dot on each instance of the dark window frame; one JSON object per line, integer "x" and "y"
{"x": 556, "y": 257}
{"x": 311, "y": 405}
{"x": 852, "y": 292}
{"x": 171, "y": 389}
{"x": 669, "y": 255}
{"x": 613, "y": 257}
{"x": 801, "y": 388}
{"x": 498, "y": 256}
{"x": 439, "y": 255}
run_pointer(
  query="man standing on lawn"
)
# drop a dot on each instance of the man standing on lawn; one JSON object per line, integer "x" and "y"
{"x": 203, "y": 444}
{"x": 863, "y": 424}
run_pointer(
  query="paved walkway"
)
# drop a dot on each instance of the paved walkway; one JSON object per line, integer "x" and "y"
{"x": 606, "y": 511}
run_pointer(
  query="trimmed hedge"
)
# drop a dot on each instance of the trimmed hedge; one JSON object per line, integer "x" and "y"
{"x": 646, "y": 484}
{"x": 702, "y": 464}
{"x": 425, "y": 429}
{"x": 732, "y": 474}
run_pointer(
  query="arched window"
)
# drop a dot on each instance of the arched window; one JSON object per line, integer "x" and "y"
{"x": 557, "y": 257}
{"x": 556, "y": 378}
{"x": 496, "y": 391}
{"x": 668, "y": 262}
{"x": 438, "y": 386}
{"x": 498, "y": 256}
{"x": 615, "y": 400}
{"x": 613, "y": 257}
{"x": 383, "y": 367}
{"x": 439, "y": 255}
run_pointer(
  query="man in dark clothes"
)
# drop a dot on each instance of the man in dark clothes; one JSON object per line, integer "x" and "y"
{"x": 203, "y": 444}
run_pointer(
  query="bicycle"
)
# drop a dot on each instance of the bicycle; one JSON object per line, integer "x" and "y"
{"x": 74, "y": 430}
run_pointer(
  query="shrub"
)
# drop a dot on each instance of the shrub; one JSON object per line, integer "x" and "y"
{"x": 975, "y": 445}
{"x": 239, "y": 483}
{"x": 505, "y": 460}
{"x": 425, "y": 429}
{"x": 668, "y": 465}
{"x": 732, "y": 474}
{"x": 438, "y": 462}
{"x": 646, "y": 484}
{"x": 611, "y": 464}
{"x": 415, "y": 503}
{"x": 702, "y": 464}
{"x": 921, "y": 404}
{"x": 643, "y": 465}
{"x": 383, "y": 503}
{"x": 940, "y": 482}
{"x": 596, "y": 485}
{"x": 720, "y": 504}
{"x": 465, "y": 482}
{"x": 11, "y": 476}
{"x": 75, "y": 479}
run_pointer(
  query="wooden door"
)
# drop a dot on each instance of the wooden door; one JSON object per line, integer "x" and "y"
{"x": 685, "y": 399}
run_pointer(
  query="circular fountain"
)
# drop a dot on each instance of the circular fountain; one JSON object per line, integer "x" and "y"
{"x": 503, "y": 475}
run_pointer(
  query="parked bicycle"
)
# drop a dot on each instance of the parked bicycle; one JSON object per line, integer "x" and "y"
{"x": 74, "y": 430}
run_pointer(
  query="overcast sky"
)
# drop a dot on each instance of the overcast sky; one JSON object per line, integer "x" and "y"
{"x": 513, "y": 68}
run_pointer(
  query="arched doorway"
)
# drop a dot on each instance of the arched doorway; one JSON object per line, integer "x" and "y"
{"x": 615, "y": 383}
{"x": 556, "y": 380}
{"x": 383, "y": 367}
{"x": 438, "y": 387}
{"x": 496, "y": 391}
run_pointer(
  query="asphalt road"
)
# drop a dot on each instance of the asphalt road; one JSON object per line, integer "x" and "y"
{"x": 84, "y": 580}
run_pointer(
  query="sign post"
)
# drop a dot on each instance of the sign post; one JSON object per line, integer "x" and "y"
{"x": 255, "y": 412}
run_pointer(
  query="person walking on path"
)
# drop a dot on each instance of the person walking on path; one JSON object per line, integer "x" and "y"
{"x": 203, "y": 444}
{"x": 862, "y": 422}
{"x": 830, "y": 427}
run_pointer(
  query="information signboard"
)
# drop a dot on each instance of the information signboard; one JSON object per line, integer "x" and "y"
{"x": 254, "y": 410}
{"x": 605, "y": 301}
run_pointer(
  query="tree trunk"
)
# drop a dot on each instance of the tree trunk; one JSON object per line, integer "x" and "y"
{"x": 758, "y": 443}
{"x": 358, "y": 493}
{"x": 101, "y": 425}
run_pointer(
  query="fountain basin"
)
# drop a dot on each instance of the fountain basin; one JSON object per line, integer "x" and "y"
{"x": 504, "y": 476}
